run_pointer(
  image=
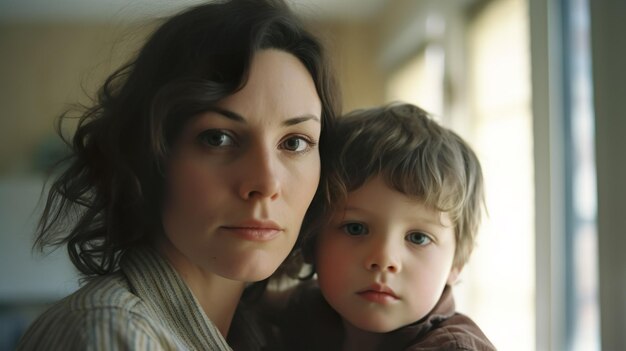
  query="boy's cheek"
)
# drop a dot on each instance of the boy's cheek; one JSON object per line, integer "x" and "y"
{"x": 330, "y": 249}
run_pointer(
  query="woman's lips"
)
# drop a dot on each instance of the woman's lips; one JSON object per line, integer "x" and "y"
{"x": 255, "y": 230}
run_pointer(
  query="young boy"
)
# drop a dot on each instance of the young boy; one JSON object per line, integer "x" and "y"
{"x": 397, "y": 238}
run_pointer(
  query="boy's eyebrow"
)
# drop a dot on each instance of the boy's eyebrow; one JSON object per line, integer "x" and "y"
{"x": 352, "y": 208}
{"x": 429, "y": 221}
{"x": 358, "y": 209}
{"x": 288, "y": 122}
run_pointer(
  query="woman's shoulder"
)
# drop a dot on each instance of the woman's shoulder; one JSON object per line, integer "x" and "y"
{"x": 106, "y": 291}
{"x": 104, "y": 306}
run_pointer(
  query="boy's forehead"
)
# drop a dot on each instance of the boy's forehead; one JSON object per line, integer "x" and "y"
{"x": 377, "y": 198}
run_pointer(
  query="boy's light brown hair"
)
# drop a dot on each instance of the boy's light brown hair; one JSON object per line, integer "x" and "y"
{"x": 417, "y": 157}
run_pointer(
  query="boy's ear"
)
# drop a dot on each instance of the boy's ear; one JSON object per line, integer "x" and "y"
{"x": 454, "y": 275}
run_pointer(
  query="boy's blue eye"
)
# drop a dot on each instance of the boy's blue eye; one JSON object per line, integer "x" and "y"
{"x": 418, "y": 238}
{"x": 355, "y": 229}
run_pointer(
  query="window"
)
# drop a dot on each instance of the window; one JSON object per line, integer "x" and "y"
{"x": 581, "y": 271}
{"x": 497, "y": 286}
{"x": 420, "y": 80}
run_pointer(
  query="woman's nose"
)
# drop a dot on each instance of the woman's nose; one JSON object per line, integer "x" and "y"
{"x": 259, "y": 175}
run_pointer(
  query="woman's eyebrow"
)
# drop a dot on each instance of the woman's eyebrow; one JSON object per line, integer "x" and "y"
{"x": 239, "y": 118}
{"x": 300, "y": 119}
{"x": 228, "y": 114}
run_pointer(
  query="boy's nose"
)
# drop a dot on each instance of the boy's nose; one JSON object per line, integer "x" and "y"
{"x": 392, "y": 268}
{"x": 382, "y": 258}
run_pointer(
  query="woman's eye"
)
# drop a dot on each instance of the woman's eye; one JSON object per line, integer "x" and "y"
{"x": 418, "y": 238}
{"x": 297, "y": 144}
{"x": 354, "y": 229}
{"x": 216, "y": 138}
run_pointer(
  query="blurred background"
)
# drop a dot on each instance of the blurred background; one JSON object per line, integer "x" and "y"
{"x": 535, "y": 86}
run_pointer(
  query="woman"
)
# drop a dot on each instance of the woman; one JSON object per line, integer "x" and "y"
{"x": 189, "y": 179}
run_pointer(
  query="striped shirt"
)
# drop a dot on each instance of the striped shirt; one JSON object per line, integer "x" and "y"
{"x": 144, "y": 306}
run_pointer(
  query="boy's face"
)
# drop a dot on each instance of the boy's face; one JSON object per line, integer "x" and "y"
{"x": 385, "y": 258}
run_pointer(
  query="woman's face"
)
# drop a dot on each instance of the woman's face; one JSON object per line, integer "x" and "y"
{"x": 240, "y": 180}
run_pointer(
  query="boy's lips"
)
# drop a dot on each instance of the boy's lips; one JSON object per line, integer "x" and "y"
{"x": 378, "y": 293}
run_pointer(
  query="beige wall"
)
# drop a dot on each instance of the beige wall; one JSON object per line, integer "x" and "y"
{"x": 353, "y": 47}
{"x": 44, "y": 67}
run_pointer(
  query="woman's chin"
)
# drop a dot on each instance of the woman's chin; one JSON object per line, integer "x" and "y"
{"x": 247, "y": 271}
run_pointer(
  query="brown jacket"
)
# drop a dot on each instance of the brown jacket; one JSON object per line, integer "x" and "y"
{"x": 311, "y": 324}
{"x": 441, "y": 329}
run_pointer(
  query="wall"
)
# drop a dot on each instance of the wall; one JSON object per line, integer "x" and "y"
{"x": 44, "y": 67}
{"x": 359, "y": 73}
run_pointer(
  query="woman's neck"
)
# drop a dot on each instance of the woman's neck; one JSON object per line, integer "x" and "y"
{"x": 358, "y": 339}
{"x": 218, "y": 297}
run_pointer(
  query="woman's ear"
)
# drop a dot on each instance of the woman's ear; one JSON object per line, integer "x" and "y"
{"x": 454, "y": 275}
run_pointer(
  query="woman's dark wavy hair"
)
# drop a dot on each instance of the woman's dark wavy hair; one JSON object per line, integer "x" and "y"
{"x": 109, "y": 193}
